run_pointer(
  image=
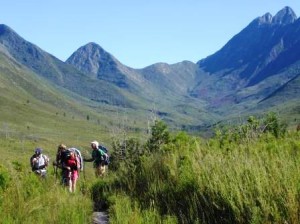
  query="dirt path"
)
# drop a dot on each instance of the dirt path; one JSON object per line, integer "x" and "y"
{"x": 100, "y": 218}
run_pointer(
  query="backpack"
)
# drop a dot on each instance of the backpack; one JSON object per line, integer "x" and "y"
{"x": 34, "y": 166}
{"x": 103, "y": 148}
{"x": 104, "y": 154}
{"x": 65, "y": 155}
{"x": 62, "y": 157}
{"x": 78, "y": 156}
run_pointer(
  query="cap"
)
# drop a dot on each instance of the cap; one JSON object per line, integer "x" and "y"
{"x": 95, "y": 143}
{"x": 38, "y": 150}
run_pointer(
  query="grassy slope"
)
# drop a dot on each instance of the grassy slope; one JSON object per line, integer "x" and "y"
{"x": 31, "y": 109}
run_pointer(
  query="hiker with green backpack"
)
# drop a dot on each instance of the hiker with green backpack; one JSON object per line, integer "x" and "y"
{"x": 99, "y": 157}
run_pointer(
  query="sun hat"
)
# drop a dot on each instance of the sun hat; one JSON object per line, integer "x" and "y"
{"x": 95, "y": 143}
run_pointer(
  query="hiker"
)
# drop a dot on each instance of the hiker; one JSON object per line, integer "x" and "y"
{"x": 99, "y": 157}
{"x": 39, "y": 162}
{"x": 72, "y": 165}
{"x": 70, "y": 161}
{"x": 60, "y": 158}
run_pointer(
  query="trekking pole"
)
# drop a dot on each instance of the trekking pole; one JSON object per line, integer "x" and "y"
{"x": 83, "y": 171}
{"x": 83, "y": 165}
{"x": 56, "y": 173}
{"x": 55, "y": 170}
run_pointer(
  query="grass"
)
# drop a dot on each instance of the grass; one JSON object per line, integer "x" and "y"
{"x": 195, "y": 181}
{"x": 184, "y": 180}
{"x": 189, "y": 180}
{"x": 25, "y": 198}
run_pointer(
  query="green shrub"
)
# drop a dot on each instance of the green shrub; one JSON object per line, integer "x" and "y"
{"x": 4, "y": 179}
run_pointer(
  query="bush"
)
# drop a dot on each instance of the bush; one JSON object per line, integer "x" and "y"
{"x": 4, "y": 179}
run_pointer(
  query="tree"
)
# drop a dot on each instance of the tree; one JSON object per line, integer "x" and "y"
{"x": 159, "y": 136}
{"x": 273, "y": 125}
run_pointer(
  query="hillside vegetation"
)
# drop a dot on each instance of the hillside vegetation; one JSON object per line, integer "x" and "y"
{"x": 245, "y": 174}
{"x": 33, "y": 109}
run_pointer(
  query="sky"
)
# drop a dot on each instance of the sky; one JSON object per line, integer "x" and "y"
{"x": 136, "y": 32}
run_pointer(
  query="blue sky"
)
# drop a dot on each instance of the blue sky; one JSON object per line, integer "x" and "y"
{"x": 137, "y": 32}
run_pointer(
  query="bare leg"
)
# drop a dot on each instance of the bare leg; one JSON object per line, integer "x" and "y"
{"x": 74, "y": 185}
{"x": 70, "y": 185}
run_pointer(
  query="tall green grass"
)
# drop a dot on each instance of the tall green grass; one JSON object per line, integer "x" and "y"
{"x": 169, "y": 178}
{"x": 197, "y": 181}
{"x": 26, "y": 198}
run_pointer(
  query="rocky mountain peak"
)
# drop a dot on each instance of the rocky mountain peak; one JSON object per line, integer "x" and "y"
{"x": 285, "y": 16}
{"x": 92, "y": 48}
{"x": 97, "y": 63}
{"x": 90, "y": 58}
{"x": 267, "y": 18}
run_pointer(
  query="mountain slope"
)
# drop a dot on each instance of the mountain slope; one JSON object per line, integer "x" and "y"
{"x": 177, "y": 78}
{"x": 160, "y": 85}
{"x": 94, "y": 60}
{"x": 255, "y": 47}
{"x": 33, "y": 109}
{"x": 253, "y": 65}
{"x": 60, "y": 73}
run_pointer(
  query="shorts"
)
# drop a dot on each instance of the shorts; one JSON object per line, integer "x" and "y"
{"x": 100, "y": 170}
{"x": 74, "y": 175}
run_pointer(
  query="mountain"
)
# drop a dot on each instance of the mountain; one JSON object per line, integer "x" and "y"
{"x": 254, "y": 71}
{"x": 160, "y": 85}
{"x": 60, "y": 73}
{"x": 34, "y": 110}
{"x": 253, "y": 64}
{"x": 256, "y": 47}
{"x": 95, "y": 78}
{"x": 93, "y": 59}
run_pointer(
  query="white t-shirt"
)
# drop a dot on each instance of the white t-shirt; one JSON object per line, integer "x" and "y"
{"x": 39, "y": 161}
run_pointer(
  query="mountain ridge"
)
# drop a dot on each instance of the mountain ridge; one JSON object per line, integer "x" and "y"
{"x": 263, "y": 49}
{"x": 251, "y": 69}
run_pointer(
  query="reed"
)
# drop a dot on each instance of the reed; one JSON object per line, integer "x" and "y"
{"x": 200, "y": 182}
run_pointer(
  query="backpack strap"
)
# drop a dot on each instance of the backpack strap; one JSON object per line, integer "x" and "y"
{"x": 78, "y": 157}
{"x": 103, "y": 155}
{"x": 46, "y": 159}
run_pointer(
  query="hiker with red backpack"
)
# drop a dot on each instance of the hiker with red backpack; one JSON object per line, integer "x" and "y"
{"x": 39, "y": 162}
{"x": 72, "y": 166}
{"x": 70, "y": 161}
{"x": 99, "y": 157}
